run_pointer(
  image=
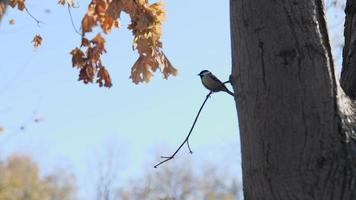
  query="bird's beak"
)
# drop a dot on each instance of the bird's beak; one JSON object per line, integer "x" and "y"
{"x": 198, "y": 74}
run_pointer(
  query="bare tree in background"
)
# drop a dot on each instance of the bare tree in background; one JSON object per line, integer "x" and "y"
{"x": 182, "y": 181}
{"x": 107, "y": 173}
{"x": 60, "y": 185}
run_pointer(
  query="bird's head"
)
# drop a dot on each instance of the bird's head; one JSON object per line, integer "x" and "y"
{"x": 203, "y": 73}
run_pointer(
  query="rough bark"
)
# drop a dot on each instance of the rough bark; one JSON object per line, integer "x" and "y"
{"x": 292, "y": 144}
{"x": 348, "y": 72}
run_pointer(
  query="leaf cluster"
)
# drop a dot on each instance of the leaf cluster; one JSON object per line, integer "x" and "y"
{"x": 146, "y": 27}
{"x": 19, "y": 3}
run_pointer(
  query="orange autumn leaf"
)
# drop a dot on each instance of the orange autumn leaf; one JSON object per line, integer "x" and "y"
{"x": 37, "y": 40}
{"x": 85, "y": 42}
{"x": 100, "y": 7}
{"x": 103, "y": 77}
{"x": 99, "y": 41}
{"x": 19, "y": 3}
{"x": 168, "y": 67}
{"x": 107, "y": 23}
{"x": 93, "y": 54}
{"x": 77, "y": 58}
{"x": 147, "y": 28}
{"x": 114, "y": 9}
{"x": 88, "y": 22}
{"x": 87, "y": 73}
{"x": 89, "y": 61}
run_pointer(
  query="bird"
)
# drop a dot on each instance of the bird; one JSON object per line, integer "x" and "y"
{"x": 212, "y": 83}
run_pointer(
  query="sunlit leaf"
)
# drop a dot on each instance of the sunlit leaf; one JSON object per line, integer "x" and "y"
{"x": 37, "y": 41}
{"x": 19, "y": 3}
{"x": 103, "y": 78}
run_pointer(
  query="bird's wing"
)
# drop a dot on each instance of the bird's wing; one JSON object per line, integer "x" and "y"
{"x": 221, "y": 86}
{"x": 215, "y": 78}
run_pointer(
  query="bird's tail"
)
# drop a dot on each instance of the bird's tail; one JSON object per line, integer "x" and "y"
{"x": 229, "y": 92}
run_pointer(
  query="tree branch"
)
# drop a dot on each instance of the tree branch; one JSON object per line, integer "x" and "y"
{"x": 34, "y": 18}
{"x": 186, "y": 140}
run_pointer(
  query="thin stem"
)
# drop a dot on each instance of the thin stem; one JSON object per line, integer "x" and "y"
{"x": 190, "y": 150}
{"x": 34, "y": 18}
{"x": 186, "y": 140}
{"x": 71, "y": 20}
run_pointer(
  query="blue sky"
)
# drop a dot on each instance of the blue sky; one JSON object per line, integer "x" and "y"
{"x": 139, "y": 121}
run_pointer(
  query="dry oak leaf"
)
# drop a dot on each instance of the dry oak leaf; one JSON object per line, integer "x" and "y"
{"x": 99, "y": 41}
{"x": 167, "y": 67}
{"x": 100, "y": 7}
{"x": 37, "y": 40}
{"x": 88, "y": 22}
{"x": 19, "y": 3}
{"x": 85, "y": 42}
{"x": 93, "y": 54}
{"x": 103, "y": 78}
{"x": 115, "y": 8}
{"x": 107, "y": 23}
{"x": 87, "y": 73}
{"x": 12, "y": 21}
{"x": 69, "y": 2}
{"x": 142, "y": 70}
{"x": 77, "y": 58}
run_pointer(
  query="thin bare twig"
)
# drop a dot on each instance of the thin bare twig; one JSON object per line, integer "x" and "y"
{"x": 34, "y": 18}
{"x": 71, "y": 20}
{"x": 186, "y": 140}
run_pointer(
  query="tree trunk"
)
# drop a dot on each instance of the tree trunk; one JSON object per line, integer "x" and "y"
{"x": 292, "y": 142}
{"x": 348, "y": 73}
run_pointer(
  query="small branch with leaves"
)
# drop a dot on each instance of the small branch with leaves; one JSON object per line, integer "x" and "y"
{"x": 186, "y": 140}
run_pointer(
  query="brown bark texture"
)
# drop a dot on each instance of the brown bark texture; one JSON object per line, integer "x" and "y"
{"x": 348, "y": 72}
{"x": 292, "y": 144}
